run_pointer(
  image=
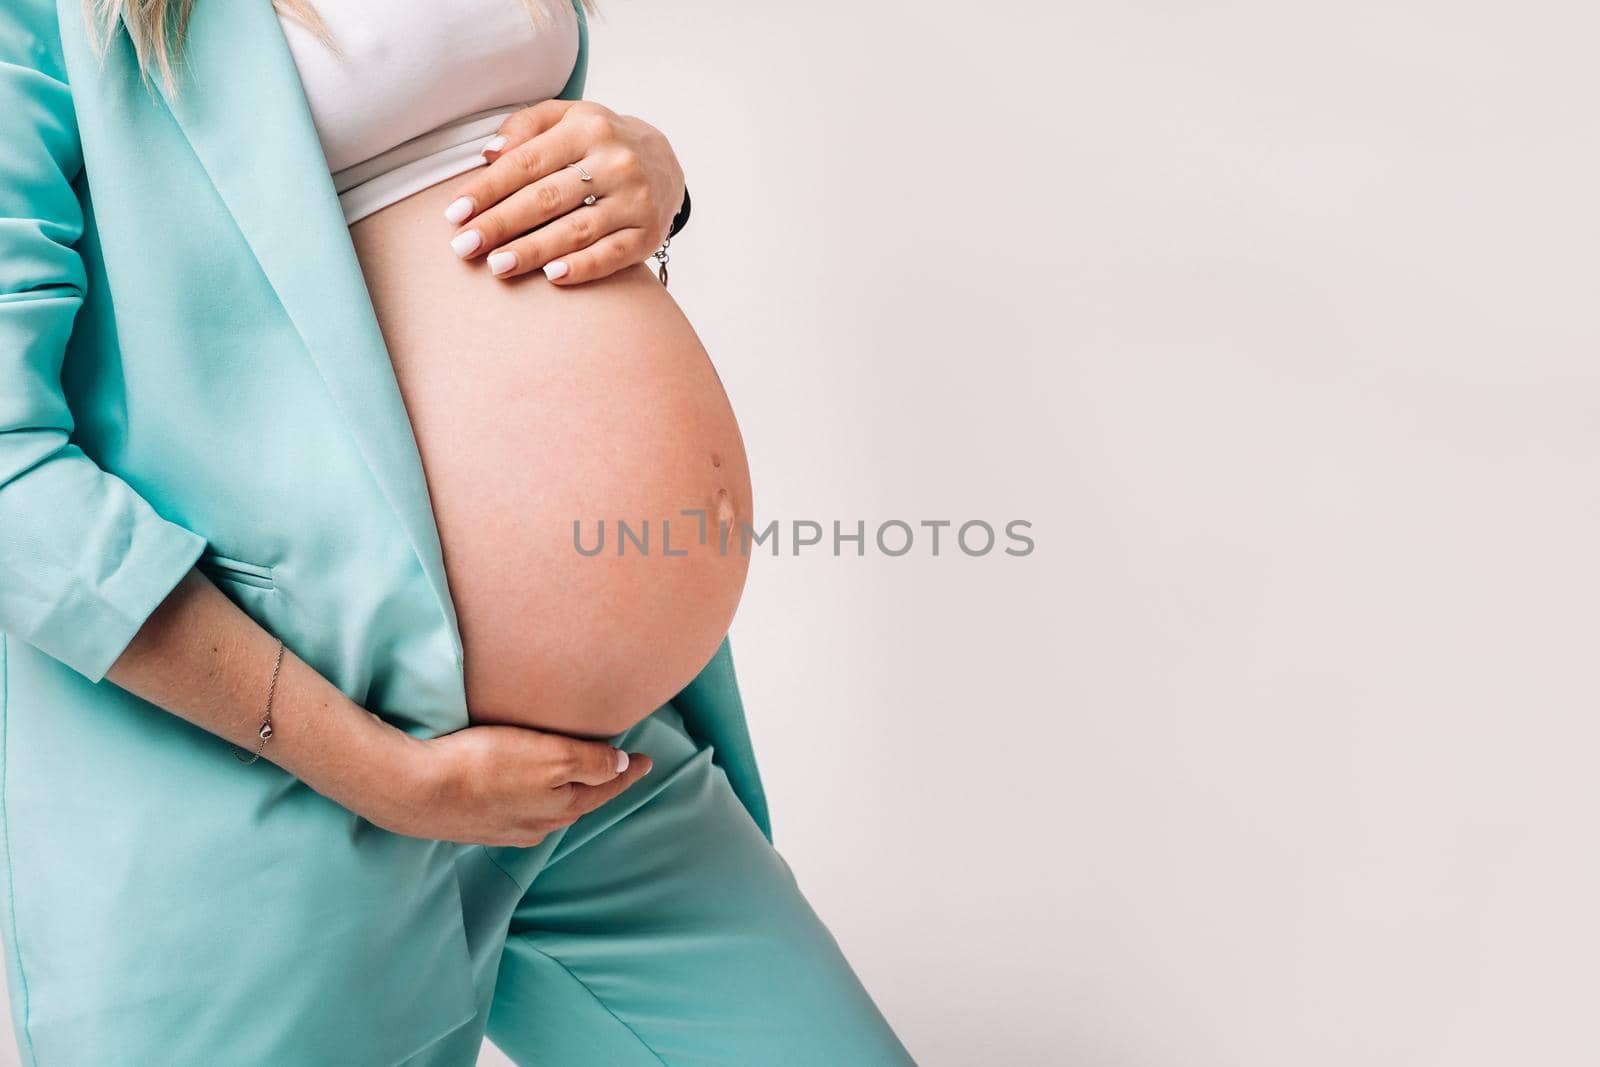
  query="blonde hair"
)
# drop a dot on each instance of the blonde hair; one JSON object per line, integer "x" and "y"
{"x": 157, "y": 26}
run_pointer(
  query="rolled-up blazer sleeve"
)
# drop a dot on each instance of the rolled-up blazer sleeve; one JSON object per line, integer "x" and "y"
{"x": 84, "y": 559}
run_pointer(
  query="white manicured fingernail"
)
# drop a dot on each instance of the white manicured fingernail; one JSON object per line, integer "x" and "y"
{"x": 555, "y": 269}
{"x": 503, "y": 262}
{"x": 495, "y": 144}
{"x": 622, "y": 761}
{"x": 458, "y": 211}
{"x": 464, "y": 244}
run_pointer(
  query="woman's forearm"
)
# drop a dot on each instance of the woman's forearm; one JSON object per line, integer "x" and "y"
{"x": 200, "y": 657}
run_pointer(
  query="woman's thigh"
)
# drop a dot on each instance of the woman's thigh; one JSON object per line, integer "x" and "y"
{"x": 664, "y": 929}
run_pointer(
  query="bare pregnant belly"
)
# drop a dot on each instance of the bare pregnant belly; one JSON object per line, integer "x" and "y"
{"x": 536, "y": 407}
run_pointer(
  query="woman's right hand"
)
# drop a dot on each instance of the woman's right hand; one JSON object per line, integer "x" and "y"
{"x": 502, "y": 785}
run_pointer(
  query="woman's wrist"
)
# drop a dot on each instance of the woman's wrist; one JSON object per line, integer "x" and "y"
{"x": 200, "y": 657}
{"x": 338, "y": 748}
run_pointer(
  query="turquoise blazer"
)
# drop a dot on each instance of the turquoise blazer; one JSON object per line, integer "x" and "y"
{"x": 191, "y": 372}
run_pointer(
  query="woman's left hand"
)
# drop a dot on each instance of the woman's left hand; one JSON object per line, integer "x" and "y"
{"x": 526, "y": 210}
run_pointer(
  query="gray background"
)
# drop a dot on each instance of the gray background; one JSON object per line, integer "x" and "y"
{"x": 1278, "y": 321}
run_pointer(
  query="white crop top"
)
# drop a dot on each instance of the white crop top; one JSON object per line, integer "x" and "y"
{"x": 411, "y": 89}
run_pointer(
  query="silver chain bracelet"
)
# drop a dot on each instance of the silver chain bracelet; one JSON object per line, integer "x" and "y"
{"x": 265, "y": 733}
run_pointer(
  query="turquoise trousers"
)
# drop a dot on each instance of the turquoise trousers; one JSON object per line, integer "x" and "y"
{"x": 662, "y": 929}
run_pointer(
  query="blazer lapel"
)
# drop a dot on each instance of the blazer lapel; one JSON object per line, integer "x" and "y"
{"x": 241, "y": 105}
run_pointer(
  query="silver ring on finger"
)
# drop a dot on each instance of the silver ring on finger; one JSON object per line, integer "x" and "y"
{"x": 585, "y": 175}
{"x": 589, "y": 200}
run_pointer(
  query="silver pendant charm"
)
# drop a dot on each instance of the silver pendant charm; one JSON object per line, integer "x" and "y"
{"x": 661, "y": 258}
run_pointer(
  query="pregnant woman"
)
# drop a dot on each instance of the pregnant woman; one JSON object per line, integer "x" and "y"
{"x": 321, "y": 326}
